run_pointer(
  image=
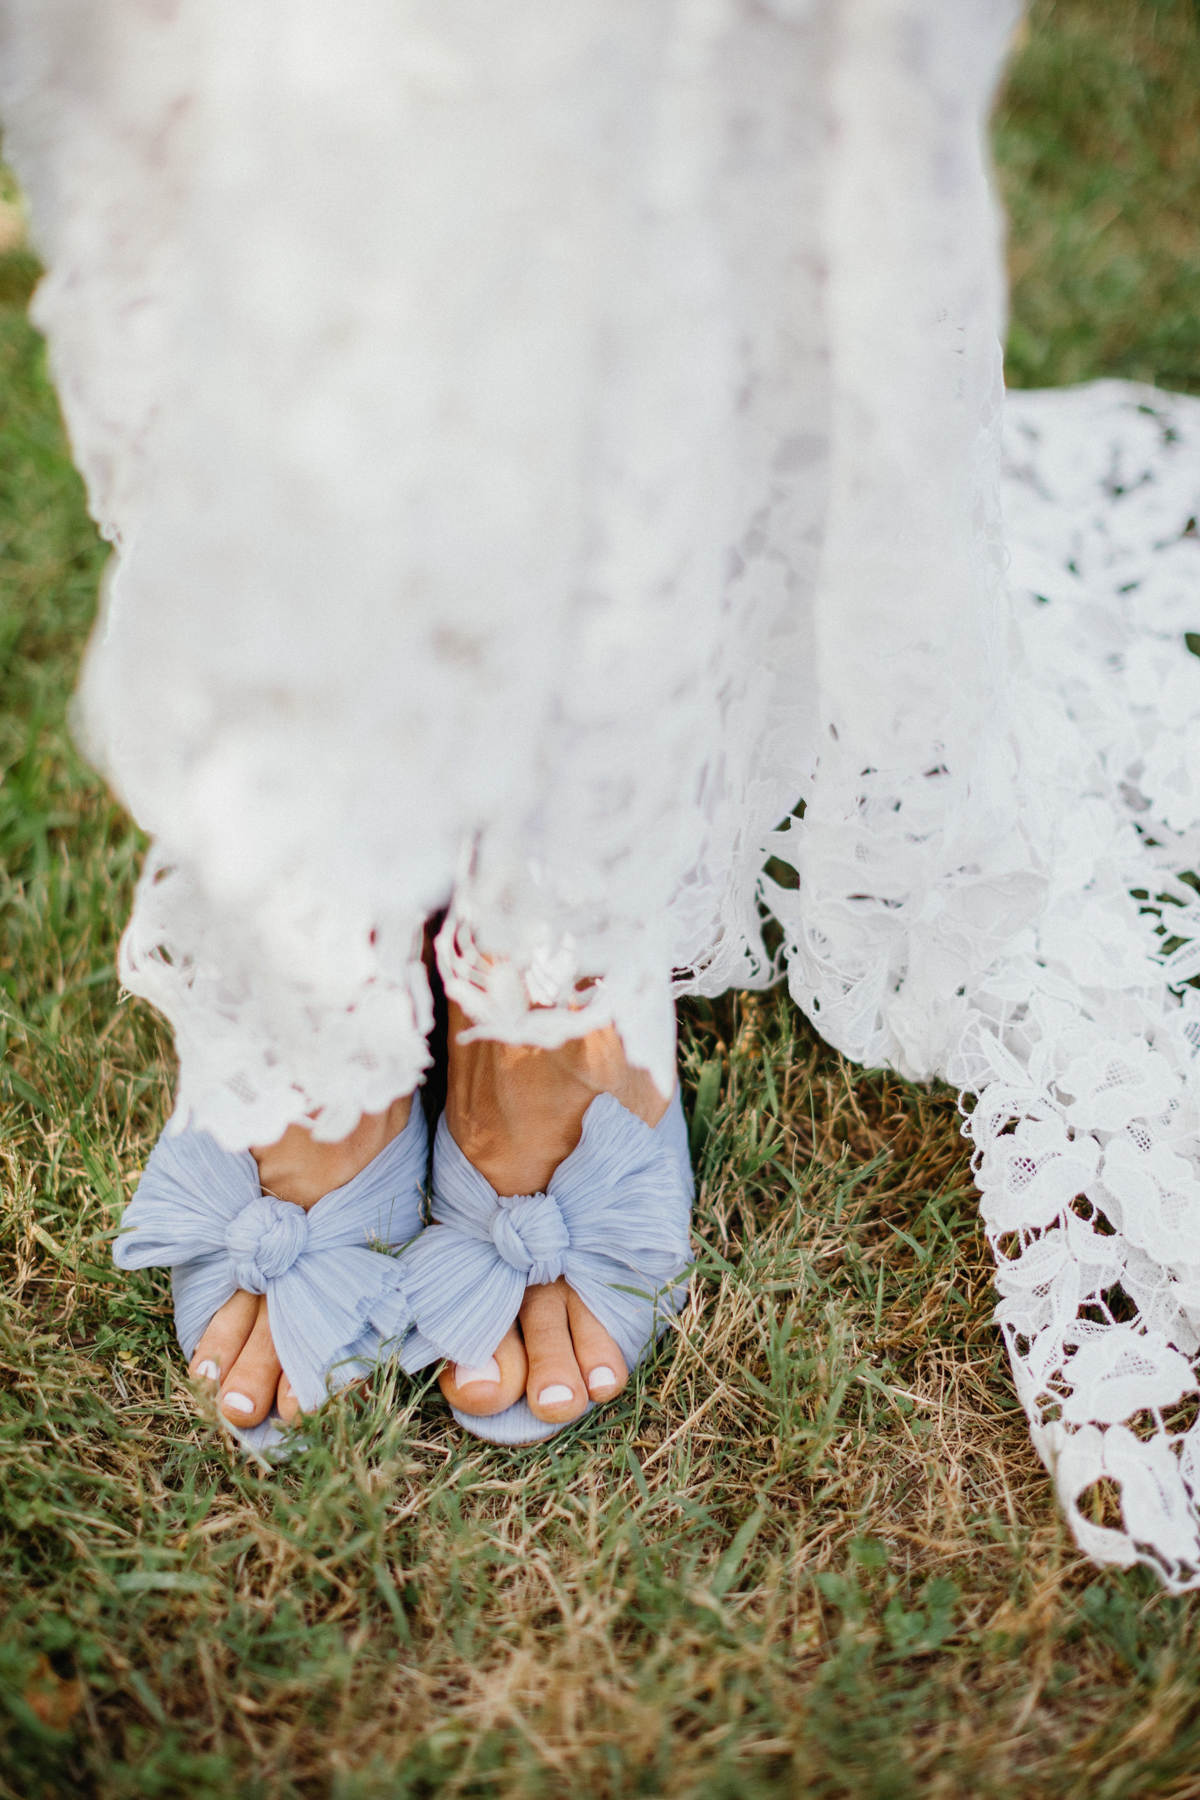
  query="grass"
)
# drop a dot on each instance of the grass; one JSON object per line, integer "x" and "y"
{"x": 812, "y": 1553}
{"x": 1098, "y": 151}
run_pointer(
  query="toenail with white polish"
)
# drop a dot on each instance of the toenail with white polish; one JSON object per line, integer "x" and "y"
{"x": 555, "y": 1396}
{"x": 602, "y": 1377}
{"x": 464, "y": 1374}
{"x": 208, "y": 1370}
{"x": 237, "y": 1403}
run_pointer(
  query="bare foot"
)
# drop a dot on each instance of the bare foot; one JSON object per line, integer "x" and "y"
{"x": 236, "y": 1354}
{"x": 515, "y": 1112}
{"x": 297, "y": 1167}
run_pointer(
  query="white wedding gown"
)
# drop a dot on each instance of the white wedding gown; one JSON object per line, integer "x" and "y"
{"x": 554, "y": 458}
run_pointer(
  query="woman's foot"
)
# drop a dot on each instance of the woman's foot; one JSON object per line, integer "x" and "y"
{"x": 516, "y": 1112}
{"x": 559, "y": 1356}
{"x": 236, "y": 1355}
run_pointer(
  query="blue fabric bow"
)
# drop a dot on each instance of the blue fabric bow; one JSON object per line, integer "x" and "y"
{"x": 614, "y": 1218}
{"x": 333, "y": 1302}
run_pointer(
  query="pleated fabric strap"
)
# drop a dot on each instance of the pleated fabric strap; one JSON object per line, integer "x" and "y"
{"x": 614, "y": 1221}
{"x": 334, "y": 1302}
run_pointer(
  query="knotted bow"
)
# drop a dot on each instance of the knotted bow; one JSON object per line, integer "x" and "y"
{"x": 333, "y": 1302}
{"x": 530, "y": 1234}
{"x": 264, "y": 1240}
{"x": 614, "y": 1221}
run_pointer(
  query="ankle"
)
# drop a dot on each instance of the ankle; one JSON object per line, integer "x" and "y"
{"x": 515, "y": 1132}
{"x": 299, "y": 1168}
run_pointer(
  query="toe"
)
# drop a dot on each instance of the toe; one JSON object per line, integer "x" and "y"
{"x": 286, "y": 1403}
{"x": 556, "y": 1390}
{"x": 597, "y": 1354}
{"x": 225, "y": 1338}
{"x": 490, "y": 1389}
{"x": 250, "y": 1385}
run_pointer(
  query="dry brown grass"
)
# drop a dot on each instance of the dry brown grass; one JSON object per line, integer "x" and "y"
{"x": 811, "y": 1552}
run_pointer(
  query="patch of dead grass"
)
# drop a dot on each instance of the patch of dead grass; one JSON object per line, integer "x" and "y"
{"x": 811, "y": 1551}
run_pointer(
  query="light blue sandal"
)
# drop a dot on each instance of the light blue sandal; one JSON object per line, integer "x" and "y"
{"x": 335, "y": 1304}
{"x": 614, "y": 1221}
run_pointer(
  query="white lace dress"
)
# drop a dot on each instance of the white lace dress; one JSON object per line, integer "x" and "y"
{"x": 553, "y": 454}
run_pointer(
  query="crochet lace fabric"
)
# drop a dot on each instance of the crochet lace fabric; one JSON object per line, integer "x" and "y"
{"x": 1083, "y": 1040}
{"x": 553, "y": 454}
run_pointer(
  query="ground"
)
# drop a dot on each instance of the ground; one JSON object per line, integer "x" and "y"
{"x": 811, "y": 1552}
